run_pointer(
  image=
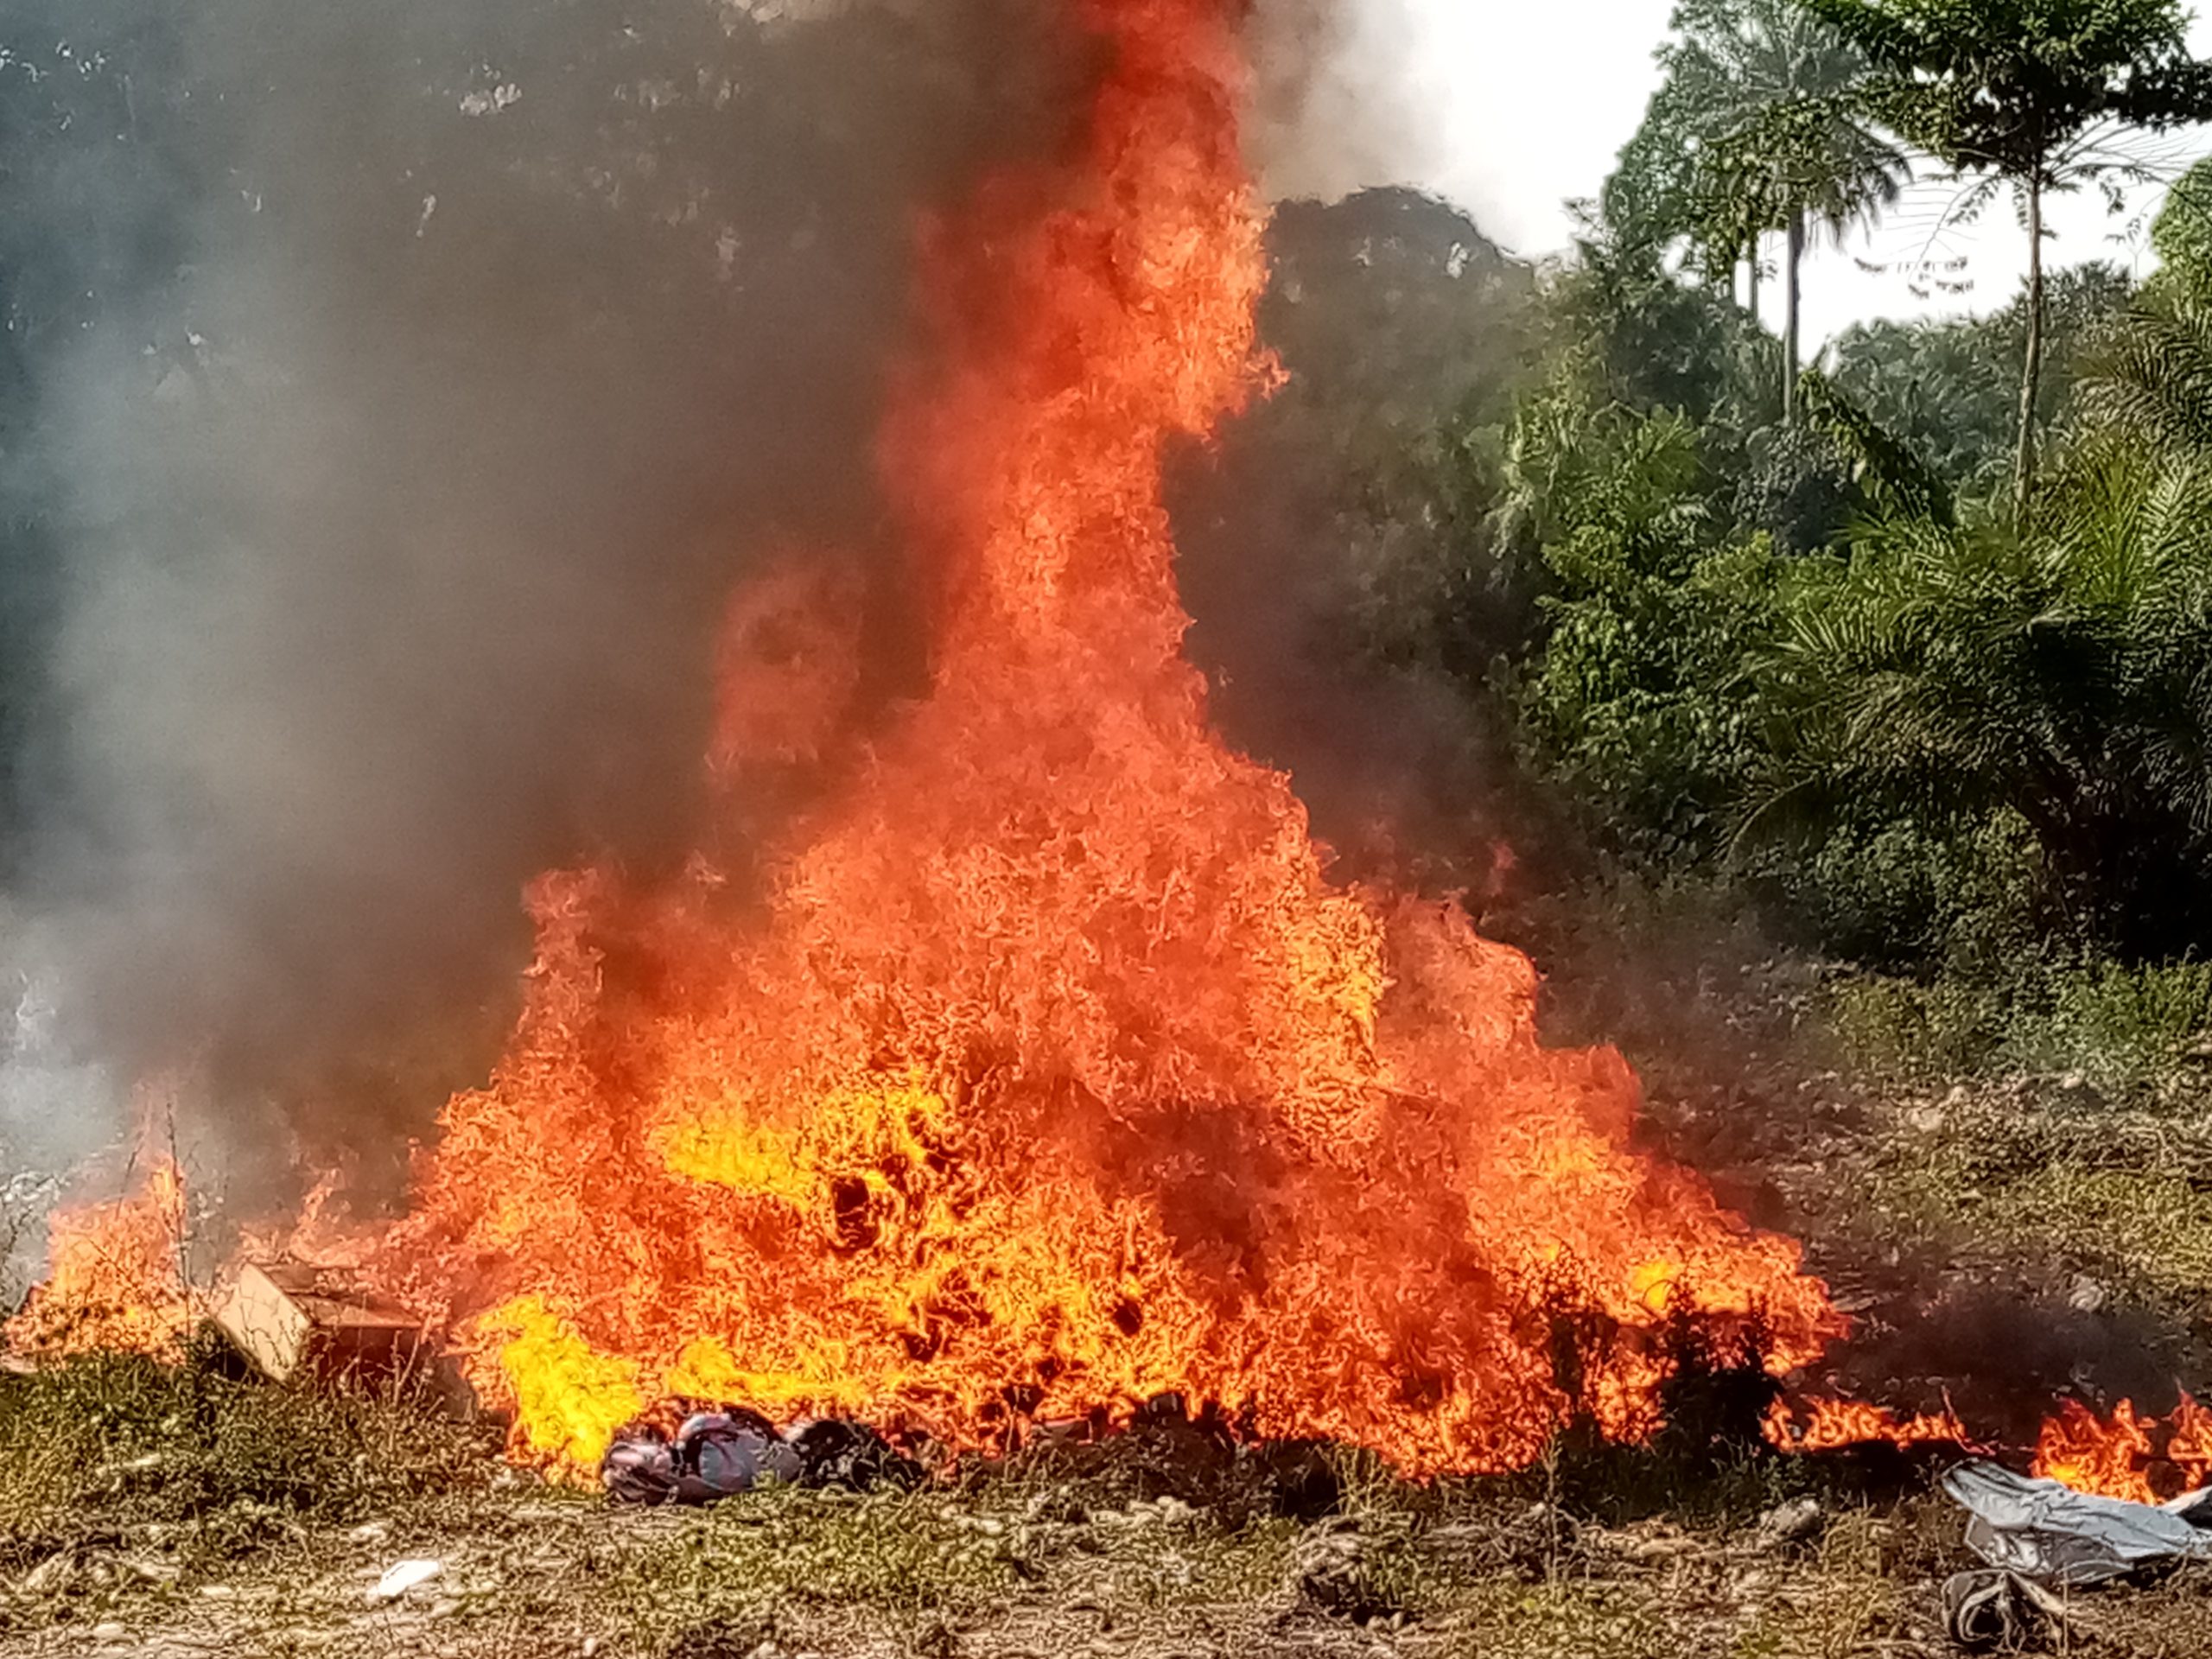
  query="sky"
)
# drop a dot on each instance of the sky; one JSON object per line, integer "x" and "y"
{"x": 1518, "y": 107}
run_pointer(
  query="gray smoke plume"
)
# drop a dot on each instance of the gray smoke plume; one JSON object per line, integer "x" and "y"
{"x": 1342, "y": 99}
{"x": 393, "y": 395}
{"x": 389, "y": 396}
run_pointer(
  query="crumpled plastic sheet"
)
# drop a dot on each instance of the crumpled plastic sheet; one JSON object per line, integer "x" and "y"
{"x": 2050, "y": 1534}
{"x": 721, "y": 1453}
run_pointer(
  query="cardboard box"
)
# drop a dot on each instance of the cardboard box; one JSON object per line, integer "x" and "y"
{"x": 293, "y": 1318}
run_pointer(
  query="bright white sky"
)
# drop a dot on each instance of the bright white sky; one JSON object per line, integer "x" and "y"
{"x": 1527, "y": 104}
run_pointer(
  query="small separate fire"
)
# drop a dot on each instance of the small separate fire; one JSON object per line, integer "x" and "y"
{"x": 1047, "y": 1068}
{"x": 2115, "y": 1456}
{"x": 115, "y": 1276}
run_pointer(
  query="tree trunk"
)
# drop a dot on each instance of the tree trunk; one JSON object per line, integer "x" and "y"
{"x": 2023, "y": 466}
{"x": 1792, "y": 353}
{"x": 1755, "y": 276}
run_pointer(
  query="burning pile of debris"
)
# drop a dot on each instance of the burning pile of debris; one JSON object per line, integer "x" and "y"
{"x": 1046, "y": 1067}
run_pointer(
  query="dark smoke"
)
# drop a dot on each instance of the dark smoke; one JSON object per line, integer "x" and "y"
{"x": 391, "y": 395}
{"x": 425, "y": 376}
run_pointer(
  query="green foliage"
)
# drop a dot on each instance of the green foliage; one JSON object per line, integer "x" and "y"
{"x": 2115, "y": 1024}
{"x": 2183, "y": 232}
{"x": 2118, "y": 1030}
{"x": 2054, "y": 670}
{"x": 1752, "y": 126}
{"x": 2009, "y": 87}
{"x": 111, "y": 1438}
{"x": 2152, "y": 379}
{"x": 1900, "y": 894}
{"x": 2027, "y": 92}
{"x": 1799, "y": 485}
{"x": 1949, "y": 391}
{"x": 1632, "y": 331}
{"x": 1891, "y": 476}
{"x": 1651, "y": 611}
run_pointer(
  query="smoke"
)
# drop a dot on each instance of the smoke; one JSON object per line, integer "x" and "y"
{"x": 391, "y": 397}
{"x": 1348, "y": 96}
{"x": 426, "y": 376}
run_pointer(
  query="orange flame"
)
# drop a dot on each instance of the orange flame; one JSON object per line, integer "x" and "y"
{"x": 1058, "y": 1073}
{"x": 115, "y": 1279}
{"x": 2189, "y": 1447}
{"x": 2115, "y": 1457}
{"x": 2109, "y": 1458}
{"x": 1831, "y": 1425}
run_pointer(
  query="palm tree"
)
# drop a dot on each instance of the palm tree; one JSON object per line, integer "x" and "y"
{"x": 1775, "y": 139}
{"x": 2151, "y": 378}
{"x": 2056, "y": 667}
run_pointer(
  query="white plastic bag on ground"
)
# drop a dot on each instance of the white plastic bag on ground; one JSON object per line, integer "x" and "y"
{"x": 2053, "y": 1534}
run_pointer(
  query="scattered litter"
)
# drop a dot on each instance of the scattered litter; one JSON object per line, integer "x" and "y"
{"x": 49, "y": 1575}
{"x": 2052, "y": 1535}
{"x": 2002, "y": 1611}
{"x": 2040, "y": 1538}
{"x": 293, "y": 1318}
{"x": 402, "y": 1576}
{"x": 719, "y": 1454}
{"x": 1790, "y": 1523}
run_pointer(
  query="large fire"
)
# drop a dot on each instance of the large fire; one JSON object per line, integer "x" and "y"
{"x": 1039, "y": 1066}
{"x": 1055, "y": 1071}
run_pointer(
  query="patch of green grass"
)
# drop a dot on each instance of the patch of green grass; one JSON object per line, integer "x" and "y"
{"x": 1898, "y": 1030}
{"x": 2148, "y": 1233}
{"x": 2117, "y": 1026}
{"x": 1851, "y": 1600}
{"x": 125, "y": 1481}
{"x": 732, "y": 1567}
{"x": 113, "y": 1440}
{"x": 1500, "y": 1620}
{"x": 2123, "y": 1029}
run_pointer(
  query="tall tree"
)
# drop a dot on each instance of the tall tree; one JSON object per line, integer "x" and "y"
{"x": 1755, "y": 129}
{"x": 2030, "y": 93}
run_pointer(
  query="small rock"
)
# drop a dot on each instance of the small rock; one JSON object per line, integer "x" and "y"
{"x": 1335, "y": 1572}
{"x": 109, "y": 1630}
{"x": 153, "y": 1569}
{"x": 402, "y": 1576}
{"x": 1790, "y": 1523}
{"x": 2086, "y": 1295}
{"x": 49, "y": 1575}
{"x": 371, "y": 1532}
{"x": 1058, "y": 1505}
{"x": 1925, "y": 1120}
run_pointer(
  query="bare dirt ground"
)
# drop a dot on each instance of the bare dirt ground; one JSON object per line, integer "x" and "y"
{"x": 799, "y": 1574}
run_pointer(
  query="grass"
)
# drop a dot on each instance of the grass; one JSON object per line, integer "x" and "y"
{"x": 2077, "y": 1138}
{"x": 2123, "y": 1195}
{"x": 177, "y": 1499}
{"x": 2125, "y": 1031}
{"x": 121, "y": 1477}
